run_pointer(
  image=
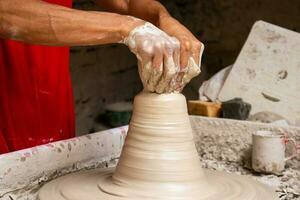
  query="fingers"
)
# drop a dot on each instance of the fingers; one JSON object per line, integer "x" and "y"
{"x": 176, "y": 54}
{"x": 176, "y": 58}
{"x": 145, "y": 70}
{"x": 200, "y": 54}
{"x": 192, "y": 67}
{"x": 193, "y": 70}
{"x": 165, "y": 64}
{"x": 157, "y": 71}
{"x": 197, "y": 51}
{"x": 185, "y": 54}
{"x": 169, "y": 69}
{"x": 162, "y": 72}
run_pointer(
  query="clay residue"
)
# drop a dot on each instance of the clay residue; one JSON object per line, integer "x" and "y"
{"x": 282, "y": 74}
{"x": 269, "y": 97}
{"x": 251, "y": 73}
{"x": 69, "y": 146}
{"x": 23, "y": 159}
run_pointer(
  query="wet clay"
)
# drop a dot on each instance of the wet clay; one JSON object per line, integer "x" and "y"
{"x": 158, "y": 59}
{"x": 158, "y": 161}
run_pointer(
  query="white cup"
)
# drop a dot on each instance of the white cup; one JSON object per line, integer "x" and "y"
{"x": 268, "y": 151}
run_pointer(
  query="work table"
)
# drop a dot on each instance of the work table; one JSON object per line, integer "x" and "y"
{"x": 225, "y": 145}
{"x": 222, "y": 145}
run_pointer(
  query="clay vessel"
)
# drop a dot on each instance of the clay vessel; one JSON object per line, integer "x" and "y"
{"x": 158, "y": 161}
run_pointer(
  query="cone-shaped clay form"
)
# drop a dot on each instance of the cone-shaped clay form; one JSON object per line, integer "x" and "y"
{"x": 159, "y": 161}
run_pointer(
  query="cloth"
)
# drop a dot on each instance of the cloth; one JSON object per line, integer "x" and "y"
{"x": 36, "y": 100}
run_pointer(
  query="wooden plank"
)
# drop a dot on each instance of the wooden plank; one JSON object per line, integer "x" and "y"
{"x": 203, "y": 108}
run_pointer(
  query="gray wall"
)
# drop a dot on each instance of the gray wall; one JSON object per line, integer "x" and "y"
{"x": 106, "y": 74}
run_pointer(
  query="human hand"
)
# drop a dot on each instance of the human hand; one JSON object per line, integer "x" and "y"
{"x": 158, "y": 57}
{"x": 191, "y": 50}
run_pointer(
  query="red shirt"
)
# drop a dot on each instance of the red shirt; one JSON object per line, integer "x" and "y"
{"x": 36, "y": 101}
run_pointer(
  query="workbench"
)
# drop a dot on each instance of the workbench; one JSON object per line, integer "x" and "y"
{"x": 222, "y": 144}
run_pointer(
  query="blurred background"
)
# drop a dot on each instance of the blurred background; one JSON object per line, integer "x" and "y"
{"x": 103, "y": 75}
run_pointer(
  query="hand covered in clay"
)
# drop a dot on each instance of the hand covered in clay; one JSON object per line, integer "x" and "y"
{"x": 191, "y": 50}
{"x": 158, "y": 57}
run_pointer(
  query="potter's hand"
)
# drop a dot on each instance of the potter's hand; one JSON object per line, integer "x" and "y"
{"x": 158, "y": 57}
{"x": 191, "y": 49}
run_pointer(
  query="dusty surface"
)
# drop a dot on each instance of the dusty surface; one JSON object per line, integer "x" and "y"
{"x": 225, "y": 145}
{"x": 287, "y": 185}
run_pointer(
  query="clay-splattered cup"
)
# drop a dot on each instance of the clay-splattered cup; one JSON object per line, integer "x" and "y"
{"x": 268, "y": 151}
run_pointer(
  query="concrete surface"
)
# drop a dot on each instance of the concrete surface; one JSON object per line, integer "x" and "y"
{"x": 266, "y": 72}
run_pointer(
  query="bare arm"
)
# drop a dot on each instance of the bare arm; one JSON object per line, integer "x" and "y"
{"x": 35, "y": 21}
{"x": 38, "y": 22}
{"x": 154, "y": 12}
{"x": 149, "y": 10}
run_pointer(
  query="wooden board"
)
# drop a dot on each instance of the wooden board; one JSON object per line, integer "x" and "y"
{"x": 203, "y": 108}
{"x": 267, "y": 72}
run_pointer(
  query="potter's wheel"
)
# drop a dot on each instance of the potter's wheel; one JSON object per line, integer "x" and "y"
{"x": 158, "y": 161}
{"x": 88, "y": 185}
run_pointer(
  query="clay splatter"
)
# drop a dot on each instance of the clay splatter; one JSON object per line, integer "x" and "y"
{"x": 69, "y": 147}
{"x": 274, "y": 99}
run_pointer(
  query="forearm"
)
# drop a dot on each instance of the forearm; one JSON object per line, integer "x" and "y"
{"x": 148, "y": 10}
{"x": 188, "y": 50}
{"x": 38, "y": 22}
